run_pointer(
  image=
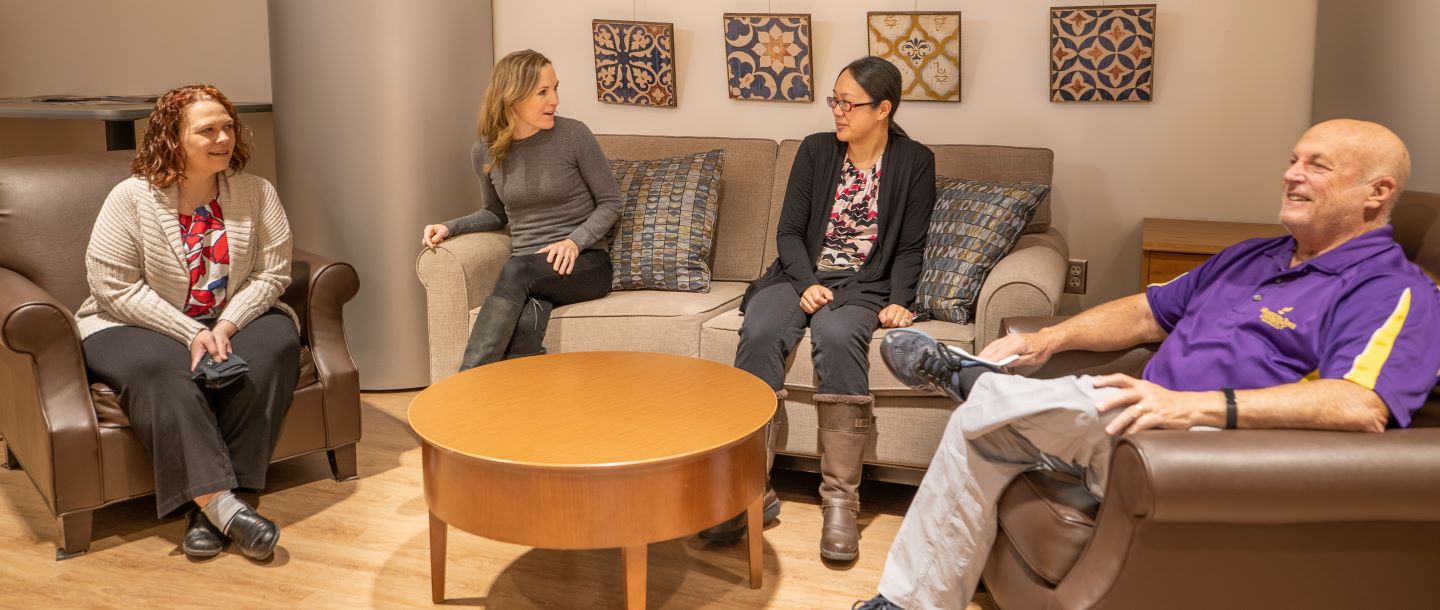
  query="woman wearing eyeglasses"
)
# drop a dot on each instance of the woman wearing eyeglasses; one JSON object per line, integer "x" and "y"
{"x": 851, "y": 241}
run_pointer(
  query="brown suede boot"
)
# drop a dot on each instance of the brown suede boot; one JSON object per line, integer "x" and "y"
{"x": 734, "y": 528}
{"x": 844, "y": 424}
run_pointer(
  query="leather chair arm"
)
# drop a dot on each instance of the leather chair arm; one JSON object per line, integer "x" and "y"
{"x": 1131, "y": 361}
{"x": 1278, "y": 476}
{"x": 457, "y": 277}
{"x": 318, "y": 291}
{"x": 47, "y": 397}
{"x": 1026, "y": 282}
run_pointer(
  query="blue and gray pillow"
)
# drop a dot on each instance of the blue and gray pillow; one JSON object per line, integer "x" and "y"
{"x": 666, "y": 231}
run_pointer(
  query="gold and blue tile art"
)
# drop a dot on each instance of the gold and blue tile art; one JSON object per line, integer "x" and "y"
{"x": 634, "y": 62}
{"x": 926, "y": 49}
{"x": 767, "y": 57}
{"x": 1102, "y": 53}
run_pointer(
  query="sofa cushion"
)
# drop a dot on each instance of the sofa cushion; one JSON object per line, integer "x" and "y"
{"x": 721, "y": 335}
{"x": 974, "y": 224}
{"x": 107, "y": 402}
{"x": 740, "y": 231}
{"x": 664, "y": 236}
{"x": 1048, "y": 517}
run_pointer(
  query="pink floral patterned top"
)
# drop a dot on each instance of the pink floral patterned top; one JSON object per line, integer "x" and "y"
{"x": 851, "y": 231}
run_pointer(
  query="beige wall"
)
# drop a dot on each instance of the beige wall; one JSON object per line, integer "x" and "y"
{"x": 1233, "y": 94}
{"x": 130, "y": 47}
{"x": 1375, "y": 60}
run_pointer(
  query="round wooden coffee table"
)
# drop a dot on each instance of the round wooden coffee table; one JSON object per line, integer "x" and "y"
{"x": 593, "y": 450}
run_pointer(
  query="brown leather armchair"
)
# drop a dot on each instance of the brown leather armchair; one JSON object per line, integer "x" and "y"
{"x": 1235, "y": 519}
{"x": 70, "y": 436}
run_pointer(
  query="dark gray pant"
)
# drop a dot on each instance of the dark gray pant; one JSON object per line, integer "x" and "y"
{"x": 201, "y": 441}
{"x": 774, "y": 324}
{"x": 528, "y": 278}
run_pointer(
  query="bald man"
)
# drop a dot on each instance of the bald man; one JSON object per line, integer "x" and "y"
{"x": 1328, "y": 328}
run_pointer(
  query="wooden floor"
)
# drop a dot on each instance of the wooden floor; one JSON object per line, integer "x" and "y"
{"x": 363, "y": 544}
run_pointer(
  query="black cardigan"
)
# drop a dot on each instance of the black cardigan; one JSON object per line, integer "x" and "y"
{"x": 907, "y": 193}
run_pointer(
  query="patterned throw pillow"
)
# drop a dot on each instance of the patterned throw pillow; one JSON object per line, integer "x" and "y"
{"x": 974, "y": 224}
{"x": 664, "y": 236}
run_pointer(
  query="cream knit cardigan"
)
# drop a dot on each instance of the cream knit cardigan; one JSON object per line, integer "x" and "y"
{"x": 136, "y": 269}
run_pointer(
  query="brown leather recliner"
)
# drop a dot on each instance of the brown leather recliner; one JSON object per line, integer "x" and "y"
{"x": 71, "y": 437}
{"x": 1234, "y": 519}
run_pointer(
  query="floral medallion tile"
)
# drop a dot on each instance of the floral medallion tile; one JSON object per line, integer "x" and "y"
{"x": 1102, "y": 53}
{"x": 767, "y": 57}
{"x": 634, "y": 62}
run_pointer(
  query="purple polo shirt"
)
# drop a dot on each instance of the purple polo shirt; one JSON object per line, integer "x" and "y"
{"x": 1245, "y": 319}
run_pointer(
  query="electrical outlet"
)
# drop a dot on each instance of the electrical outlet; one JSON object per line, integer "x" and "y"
{"x": 1075, "y": 275}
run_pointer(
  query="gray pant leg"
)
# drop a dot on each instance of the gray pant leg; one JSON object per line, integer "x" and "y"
{"x": 1009, "y": 425}
{"x": 841, "y": 349}
{"x": 773, "y": 324}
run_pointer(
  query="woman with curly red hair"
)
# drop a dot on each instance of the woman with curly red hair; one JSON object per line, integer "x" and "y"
{"x": 186, "y": 264}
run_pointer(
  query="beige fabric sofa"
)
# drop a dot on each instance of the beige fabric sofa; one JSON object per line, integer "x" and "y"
{"x": 460, "y": 274}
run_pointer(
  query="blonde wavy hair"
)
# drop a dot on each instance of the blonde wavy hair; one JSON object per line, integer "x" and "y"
{"x": 512, "y": 81}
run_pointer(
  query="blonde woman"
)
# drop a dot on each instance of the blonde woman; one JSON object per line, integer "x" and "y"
{"x": 547, "y": 179}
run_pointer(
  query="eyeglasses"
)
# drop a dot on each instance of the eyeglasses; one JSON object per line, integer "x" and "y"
{"x": 846, "y": 105}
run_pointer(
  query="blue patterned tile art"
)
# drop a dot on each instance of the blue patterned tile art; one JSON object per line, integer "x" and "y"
{"x": 1102, "y": 54}
{"x": 634, "y": 62}
{"x": 767, "y": 57}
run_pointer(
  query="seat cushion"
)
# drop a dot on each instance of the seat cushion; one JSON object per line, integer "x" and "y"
{"x": 640, "y": 320}
{"x": 1048, "y": 518}
{"x": 721, "y": 335}
{"x": 107, "y": 402}
{"x": 666, "y": 229}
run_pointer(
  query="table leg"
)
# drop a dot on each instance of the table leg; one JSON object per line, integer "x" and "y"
{"x": 437, "y": 559}
{"x": 634, "y": 576}
{"x": 755, "y": 539}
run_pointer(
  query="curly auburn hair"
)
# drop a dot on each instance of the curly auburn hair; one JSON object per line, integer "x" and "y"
{"x": 161, "y": 157}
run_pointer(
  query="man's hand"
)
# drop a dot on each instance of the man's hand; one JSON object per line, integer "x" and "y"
{"x": 1030, "y": 349}
{"x": 1147, "y": 405}
{"x": 205, "y": 343}
{"x": 895, "y": 316}
{"x": 561, "y": 255}
{"x": 815, "y": 297}
{"x": 433, "y": 235}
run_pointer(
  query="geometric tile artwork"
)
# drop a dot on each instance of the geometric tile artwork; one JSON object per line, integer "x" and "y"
{"x": 926, "y": 49}
{"x": 1102, "y": 53}
{"x": 767, "y": 57}
{"x": 634, "y": 62}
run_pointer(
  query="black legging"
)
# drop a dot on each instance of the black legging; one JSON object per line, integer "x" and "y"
{"x": 530, "y": 287}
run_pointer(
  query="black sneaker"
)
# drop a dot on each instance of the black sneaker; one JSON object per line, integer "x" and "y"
{"x": 876, "y": 603}
{"x": 920, "y": 362}
{"x": 734, "y": 528}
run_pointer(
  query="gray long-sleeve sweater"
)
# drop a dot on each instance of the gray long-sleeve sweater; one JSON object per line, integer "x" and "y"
{"x": 551, "y": 186}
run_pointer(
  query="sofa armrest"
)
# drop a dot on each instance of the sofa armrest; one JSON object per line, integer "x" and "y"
{"x": 1278, "y": 476}
{"x": 457, "y": 277}
{"x": 1129, "y": 361}
{"x": 1026, "y": 282}
{"x": 319, "y": 289}
{"x": 45, "y": 411}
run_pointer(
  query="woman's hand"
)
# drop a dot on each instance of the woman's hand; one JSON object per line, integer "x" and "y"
{"x": 433, "y": 235}
{"x": 205, "y": 343}
{"x": 895, "y": 316}
{"x": 561, "y": 255}
{"x": 815, "y": 297}
{"x": 223, "y": 330}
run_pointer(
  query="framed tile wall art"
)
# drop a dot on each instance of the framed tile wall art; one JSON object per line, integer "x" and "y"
{"x": 926, "y": 49}
{"x": 1102, "y": 53}
{"x": 767, "y": 57}
{"x": 634, "y": 62}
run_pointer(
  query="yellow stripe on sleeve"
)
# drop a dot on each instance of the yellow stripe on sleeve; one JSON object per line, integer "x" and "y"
{"x": 1157, "y": 284}
{"x": 1368, "y": 364}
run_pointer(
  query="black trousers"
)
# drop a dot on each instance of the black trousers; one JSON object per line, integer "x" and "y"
{"x": 840, "y": 339}
{"x": 201, "y": 441}
{"x": 529, "y": 278}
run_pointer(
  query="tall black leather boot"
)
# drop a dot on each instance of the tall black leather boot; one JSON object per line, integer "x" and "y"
{"x": 491, "y": 335}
